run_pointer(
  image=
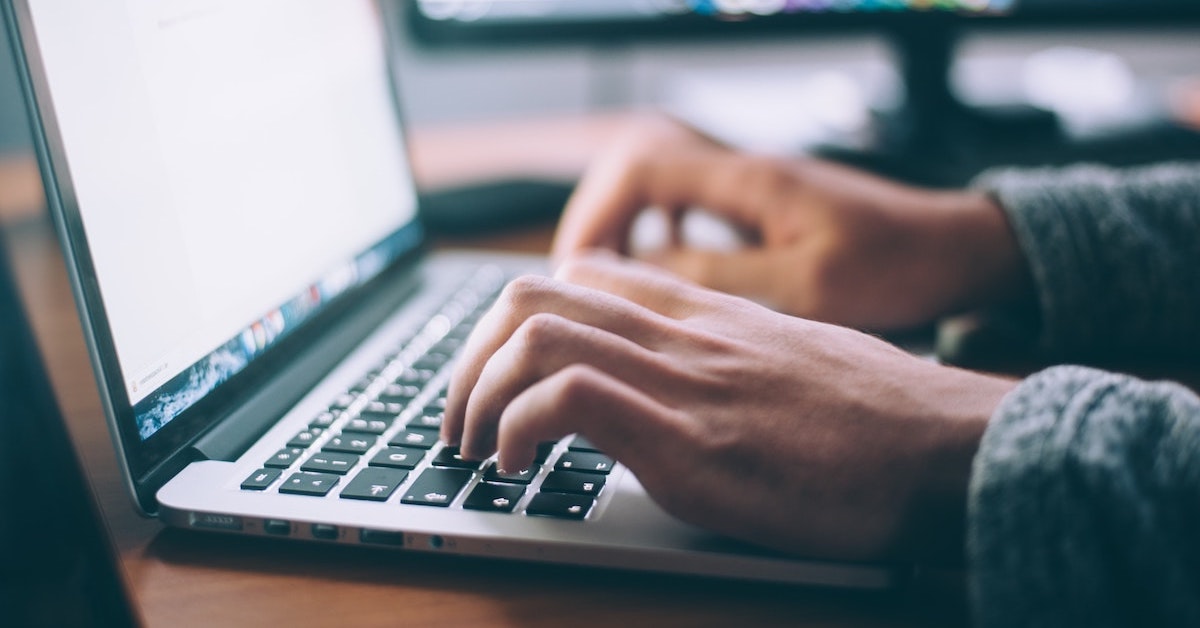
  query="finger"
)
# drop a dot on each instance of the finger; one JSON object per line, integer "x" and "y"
{"x": 643, "y": 284}
{"x": 524, "y": 297}
{"x": 624, "y": 422}
{"x": 602, "y": 210}
{"x": 752, "y": 273}
{"x": 543, "y": 345}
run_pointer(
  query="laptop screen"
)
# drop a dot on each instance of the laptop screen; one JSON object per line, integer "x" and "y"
{"x": 237, "y": 165}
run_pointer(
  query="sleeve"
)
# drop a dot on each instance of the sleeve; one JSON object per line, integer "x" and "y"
{"x": 1114, "y": 254}
{"x": 1084, "y": 505}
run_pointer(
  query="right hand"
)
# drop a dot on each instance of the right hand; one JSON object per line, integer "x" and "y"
{"x": 826, "y": 242}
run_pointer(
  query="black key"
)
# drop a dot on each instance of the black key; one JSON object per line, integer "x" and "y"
{"x": 317, "y": 484}
{"x": 398, "y": 458}
{"x": 367, "y": 425}
{"x": 431, "y": 418}
{"x": 447, "y": 346}
{"x": 524, "y": 476}
{"x": 284, "y": 458}
{"x": 494, "y": 497}
{"x": 436, "y": 487}
{"x": 580, "y": 443}
{"x": 431, "y": 361}
{"x": 573, "y": 482}
{"x": 559, "y": 505}
{"x": 389, "y": 411}
{"x": 351, "y": 443}
{"x": 399, "y": 393}
{"x": 328, "y": 462}
{"x": 305, "y": 438}
{"x": 365, "y": 383}
{"x": 415, "y": 377}
{"x": 450, "y": 457}
{"x": 544, "y": 449}
{"x": 344, "y": 400}
{"x": 415, "y": 437}
{"x": 583, "y": 461}
{"x": 260, "y": 480}
{"x": 374, "y": 484}
{"x": 323, "y": 420}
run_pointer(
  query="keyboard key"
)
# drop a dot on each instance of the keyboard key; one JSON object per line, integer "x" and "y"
{"x": 494, "y": 497}
{"x": 305, "y": 438}
{"x": 398, "y": 458}
{"x": 559, "y": 505}
{"x": 323, "y": 420}
{"x": 367, "y": 425}
{"x": 580, "y": 443}
{"x": 352, "y": 443}
{"x": 524, "y": 476}
{"x": 447, "y": 346}
{"x": 436, "y": 487}
{"x": 317, "y": 484}
{"x": 573, "y": 482}
{"x": 328, "y": 462}
{"x": 431, "y": 361}
{"x": 389, "y": 411}
{"x": 584, "y": 461}
{"x": 450, "y": 457}
{"x": 284, "y": 458}
{"x": 374, "y": 484}
{"x": 431, "y": 418}
{"x": 415, "y": 437}
{"x": 415, "y": 377}
{"x": 343, "y": 401}
{"x": 260, "y": 480}
{"x": 402, "y": 394}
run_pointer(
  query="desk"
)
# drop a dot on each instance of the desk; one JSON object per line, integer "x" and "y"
{"x": 181, "y": 578}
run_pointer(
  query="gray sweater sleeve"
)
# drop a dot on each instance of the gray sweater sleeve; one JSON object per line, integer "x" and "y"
{"x": 1084, "y": 505}
{"x": 1115, "y": 256}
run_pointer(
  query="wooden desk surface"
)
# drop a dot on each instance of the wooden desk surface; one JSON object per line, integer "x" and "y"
{"x": 181, "y": 578}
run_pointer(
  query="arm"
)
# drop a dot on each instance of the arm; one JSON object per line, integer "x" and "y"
{"x": 1114, "y": 255}
{"x": 1084, "y": 504}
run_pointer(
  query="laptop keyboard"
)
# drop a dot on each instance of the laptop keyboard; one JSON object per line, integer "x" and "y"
{"x": 378, "y": 441}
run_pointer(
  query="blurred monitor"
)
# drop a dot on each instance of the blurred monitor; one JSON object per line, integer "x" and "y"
{"x": 495, "y": 21}
{"x": 949, "y": 140}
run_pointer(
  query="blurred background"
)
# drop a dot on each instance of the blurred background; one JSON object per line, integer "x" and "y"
{"x": 781, "y": 90}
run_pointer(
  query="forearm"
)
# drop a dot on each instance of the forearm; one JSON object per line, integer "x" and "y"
{"x": 1084, "y": 504}
{"x": 1114, "y": 256}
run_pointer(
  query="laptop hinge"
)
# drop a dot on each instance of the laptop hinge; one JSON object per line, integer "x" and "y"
{"x": 231, "y": 437}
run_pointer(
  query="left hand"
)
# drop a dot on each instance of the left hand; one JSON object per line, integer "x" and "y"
{"x": 797, "y": 435}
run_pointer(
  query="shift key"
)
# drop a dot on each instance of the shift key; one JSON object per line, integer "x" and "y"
{"x": 437, "y": 487}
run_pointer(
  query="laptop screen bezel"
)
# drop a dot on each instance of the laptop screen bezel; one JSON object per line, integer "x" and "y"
{"x": 148, "y": 463}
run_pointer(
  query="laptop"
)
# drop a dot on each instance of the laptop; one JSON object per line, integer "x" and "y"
{"x": 58, "y": 568}
{"x": 269, "y": 335}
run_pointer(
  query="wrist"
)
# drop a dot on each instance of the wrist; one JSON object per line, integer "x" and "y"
{"x": 934, "y": 531}
{"x": 977, "y": 237}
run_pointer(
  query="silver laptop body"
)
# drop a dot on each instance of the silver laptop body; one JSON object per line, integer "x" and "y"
{"x": 231, "y": 187}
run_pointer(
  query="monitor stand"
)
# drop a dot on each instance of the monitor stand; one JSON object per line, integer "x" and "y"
{"x": 934, "y": 138}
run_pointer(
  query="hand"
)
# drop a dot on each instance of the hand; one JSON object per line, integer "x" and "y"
{"x": 825, "y": 241}
{"x": 784, "y": 432}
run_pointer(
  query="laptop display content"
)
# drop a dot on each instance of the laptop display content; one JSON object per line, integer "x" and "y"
{"x": 230, "y": 183}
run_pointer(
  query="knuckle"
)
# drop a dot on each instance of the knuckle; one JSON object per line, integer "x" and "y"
{"x": 577, "y": 387}
{"x": 541, "y": 332}
{"x": 525, "y": 292}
